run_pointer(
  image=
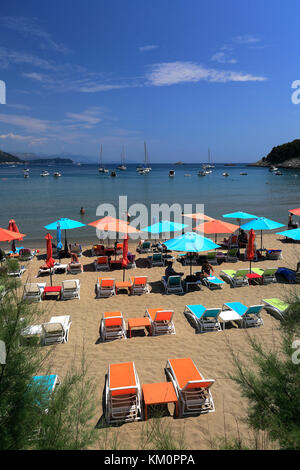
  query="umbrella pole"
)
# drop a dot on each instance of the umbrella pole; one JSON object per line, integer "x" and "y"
{"x": 261, "y": 240}
{"x": 51, "y": 276}
{"x": 123, "y": 274}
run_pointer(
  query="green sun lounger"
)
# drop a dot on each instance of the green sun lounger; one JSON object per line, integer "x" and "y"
{"x": 236, "y": 278}
{"x": 268, "y": 275}
{"x": 276, "y": 307}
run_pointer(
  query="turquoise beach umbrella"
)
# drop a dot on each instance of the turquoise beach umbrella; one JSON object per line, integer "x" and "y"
{"x": 239, "y": 215}
{"x": 65, "y": 224}
{"x": 191, "y": 242}
{"x": 164, "y": 226}
{"x": 294, "y": 234}
{"x": 261, "y": 223}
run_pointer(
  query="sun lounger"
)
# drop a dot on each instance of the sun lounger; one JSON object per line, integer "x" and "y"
{"x": 145, "y": 247}
{"x": 56, "y": 330}
{"x": 173, "y": 285}
{"x": 276, "y": 307}
{"x": 231, "y": 255}
{"x": 192, "y": 390}
{"x": 18, "y": 272}
{"x": 212, "y": 257}
{"x": 48, "y": 383}
{"x": 101, "y": 264}
{"x": 25, "y": 254}
{"x": 139, "y": 285}
{"x": 74, "y": 268}
{"x": 161, "y": 321}
{"x": 122, "y": 394}
{"x": 268, "y": 275}
{"x": 33, "y": 291}
{"x": 235, "y": 278}
{"x": 204, "y": 319}
{"x": 119, "y": 248}
{"x": 231, "y": 242}
{"x": 250, "y": 316}
{"x": 274, "y": 254}
{"x": 156, "y": 260}
{"x": 112, "y": 326}
{"x": 188, "y": 258}
{"x": 212, "y": 282}
{"x": 70, "y": 289}
{"x": 105, "y": 287}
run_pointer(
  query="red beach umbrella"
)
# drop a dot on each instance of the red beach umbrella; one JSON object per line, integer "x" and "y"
{"x": 8, "y": 235}
{"x": 50, "y": 261}
{"x": 14, "y": 228}
{"x": 251, "y": 247}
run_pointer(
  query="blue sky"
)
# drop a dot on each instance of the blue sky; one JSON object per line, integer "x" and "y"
{"x": 181, "y": 75}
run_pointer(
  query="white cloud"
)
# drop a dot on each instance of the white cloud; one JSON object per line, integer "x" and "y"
{"x": 223, "y": 58}
{"x": 171, "y": 73}
{"x": 30, "y": 27}
{"x": 246, "y": 39}
{"x": 88, "y": 118}
{"x": 148, "y": 48}
{"x": 23, "y": 138}
{"x": 26, "y": 122}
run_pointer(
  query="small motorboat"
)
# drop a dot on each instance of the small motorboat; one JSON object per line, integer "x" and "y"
{"x": 243, "y": 173}
{"x": 273, "y": 168}
{"x": 172, "y": 173}
{"x": 278, "y": 173}
{"x": 225, "y": 174}
{"x": 113, "y": 173}
{"x": 45, "y": 173}
{"x": 26, "y": 175}
{"x": 56, "y": 174}
{"x": 202, "y": 173}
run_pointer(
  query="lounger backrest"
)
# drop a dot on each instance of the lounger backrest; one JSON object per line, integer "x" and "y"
{"x": 119, "y": 246}
{"x": 52, "y": 328}
{"x": 102, "y": 260}
{"x": 232, "y": 252}
{"x": 164, "y": 315}
{"x": 113, "y": 318}
{"x": 32, "y": 288}
{"x": 157, "y": 257}
{"x": 241, "y": 273}
{"x": 254, "y": 309}
{"x": 140, "y": 280}
{"x": 269, "y": 272}
{"x": 198, "y": 384}
{"x": 211, "y": 313}
{"x": 107, "y": 283}
{"x": 233, "y": 238}
{"x": 174, "y": 281}
{"x": 122, "y": 380}
{"x": 69, "y": 285}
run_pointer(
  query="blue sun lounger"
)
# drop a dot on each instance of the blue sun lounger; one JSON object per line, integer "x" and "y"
{"x": 250, "y": 316}
{"x": 213, "y": 282}
{"x": 48, "y": 382}
{"x": 204, "y": 319}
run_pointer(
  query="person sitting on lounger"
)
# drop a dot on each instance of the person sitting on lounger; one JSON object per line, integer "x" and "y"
{"x": 170, "y": 271}
{"x": 207, "y": 270}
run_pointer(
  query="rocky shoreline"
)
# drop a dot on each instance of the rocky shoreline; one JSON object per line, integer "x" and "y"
{"x": 293, "y": 163}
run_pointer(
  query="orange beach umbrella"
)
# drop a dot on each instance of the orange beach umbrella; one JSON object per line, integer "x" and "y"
{"x": 199, "y": 216}
{"x": 295, "y": 211}
{"x": 110, "y": 224}
{"x": 216, "y": 226}
{"x": 8, "y": 235}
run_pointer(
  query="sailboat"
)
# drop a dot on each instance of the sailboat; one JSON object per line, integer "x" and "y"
{"x": 207, "y": 166}
{"x": 122, "y": 167}
{"x": 101, "y": 168}
{"x": 146, "y": 167}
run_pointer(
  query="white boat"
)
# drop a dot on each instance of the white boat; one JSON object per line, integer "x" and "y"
{"x": 26, "y": 175}
{"x": 278, "y": 173}
{"x": 172, "y": 173}
{"x": 273, "y": 168}
{"x": 208, "y": 165}
{"x": 45, "y": 173}
{"x": 122, "y": 167}
{"x": 143, "y": 170}
{"x": 101, "y": 168}
{"x": 113, "y": 173}
{"x": 242, "y": 173}
{"x": 56, "y": 174}
{"x": 202, "y": 173}
{"x": 225, "y": 174}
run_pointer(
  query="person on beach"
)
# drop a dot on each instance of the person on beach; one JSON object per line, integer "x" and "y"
{"x": 170, "y": 271}
{"x": 242, "y": 239}
{"x": 82, "y": 211}
{"x": 207, "y": 270}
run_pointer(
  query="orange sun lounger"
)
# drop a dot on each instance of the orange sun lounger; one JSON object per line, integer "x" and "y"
{"x": 105, "y": 287}
{"x": 161, "y": 320}
{"x": 122, "y": 394}
{"x": 112, "y": 326}
{"x": 192, "y": 389}
{"x": 139, "y": 285}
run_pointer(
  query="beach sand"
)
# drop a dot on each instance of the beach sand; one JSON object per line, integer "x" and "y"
{"x": 210, "y": 351}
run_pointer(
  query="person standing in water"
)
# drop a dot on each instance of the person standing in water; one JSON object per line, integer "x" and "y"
{"x": 82, "y": 211}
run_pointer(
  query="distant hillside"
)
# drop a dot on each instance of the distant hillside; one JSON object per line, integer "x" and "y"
{"x": 284, "y": 156}
{"x": 7, "y": 157}
{"x": 56, "y": 161}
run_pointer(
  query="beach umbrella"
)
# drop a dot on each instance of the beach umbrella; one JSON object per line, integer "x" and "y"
{"x": 59, "y": 244}
{"x": 295, "y": 211}
{"x": 261, "y": 223}
{"x": 49, "y": 261}
{"x": 294, "y": 233}
{"x": 14, "y": 228}
{"x": 239, "y": 215}
{"x": 216, "y": 226}
{"x": 8, "y": 235}
{"x": 65, "y": 224}
{"x": 251, "y": 247}
{"x": 199, "y": 216}
{"x": 191, "y": 242}
{"x": 164, "y": 226}
{"x": 125, "y": 252}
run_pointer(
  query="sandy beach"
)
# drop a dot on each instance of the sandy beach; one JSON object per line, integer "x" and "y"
{"x": 210, "y": 351}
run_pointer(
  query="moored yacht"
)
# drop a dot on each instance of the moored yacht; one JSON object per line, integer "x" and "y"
{"x": 172, "y": 173}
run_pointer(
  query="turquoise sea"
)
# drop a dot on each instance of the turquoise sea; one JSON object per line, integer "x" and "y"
{"x": 37, "y": 201}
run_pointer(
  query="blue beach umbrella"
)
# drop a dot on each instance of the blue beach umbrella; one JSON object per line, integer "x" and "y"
{"x": 59, "y": 244}
{"x": 191, "y": 242}
{"x": 261, "y": 223}
{"x": 164, "y": 226}
{"x": 294, "y": 234}
{"x": 65, "y": 224}
{"x": 239, "y": 215}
